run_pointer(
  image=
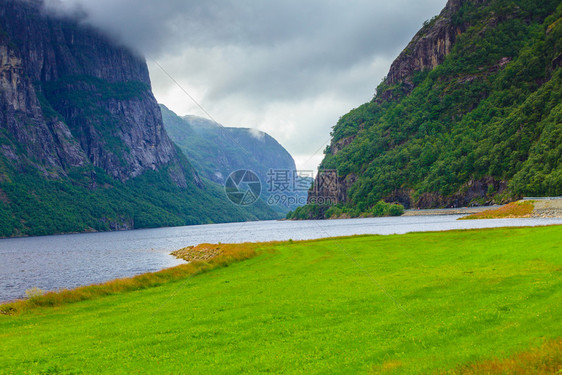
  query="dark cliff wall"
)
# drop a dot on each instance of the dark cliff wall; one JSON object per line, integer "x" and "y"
{"x": 79, "y": 88}
{"x": 429, "y": 47}
{"x": 82, "y": 143}
{"x": 29, "y": 139}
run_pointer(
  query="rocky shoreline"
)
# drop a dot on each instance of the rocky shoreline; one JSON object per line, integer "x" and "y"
{"x": 543, "y": 208}
{"x": 547, "y": 208}
{"x": 448, "y": 211}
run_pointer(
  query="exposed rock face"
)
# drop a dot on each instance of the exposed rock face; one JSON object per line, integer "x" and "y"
{"x": 48, "y": 145}
{"x": 89, "y": 100}
{"x": 475, "y": 192}
{"x": 428, "y": 48}
{"x": 329, "y": 188}
{"x": 340, "y": 145}
{"x": 82, "y": 142}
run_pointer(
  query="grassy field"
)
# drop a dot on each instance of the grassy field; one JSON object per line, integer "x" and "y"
{"x": 444, "y": 302}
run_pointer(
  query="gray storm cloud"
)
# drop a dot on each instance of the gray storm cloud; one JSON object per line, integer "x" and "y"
{"x": 248, "y": 59}
{"x": 154, "y": 26}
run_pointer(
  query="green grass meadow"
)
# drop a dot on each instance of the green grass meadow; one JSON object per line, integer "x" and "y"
{"x": 415, "y": 303}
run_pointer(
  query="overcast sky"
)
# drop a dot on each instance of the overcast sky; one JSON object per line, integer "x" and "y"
{"x": 288, "y": 67}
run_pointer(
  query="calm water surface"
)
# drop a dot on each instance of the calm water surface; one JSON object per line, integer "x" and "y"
{"x": 68, "y": 261}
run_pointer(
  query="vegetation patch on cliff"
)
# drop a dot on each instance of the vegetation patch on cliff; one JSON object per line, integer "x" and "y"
{"x": 90, "y": 200}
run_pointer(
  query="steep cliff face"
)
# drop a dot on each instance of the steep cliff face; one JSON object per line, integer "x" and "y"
{"x": 82, "y": 143}
{"x": 429, "y": 47}
{"x": 59, "y": 73}
{"x": 28, "y": 138}
{"x": 469, "y": 113}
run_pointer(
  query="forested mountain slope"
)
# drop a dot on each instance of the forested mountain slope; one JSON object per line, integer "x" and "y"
{"x": 216, "y": 151}
{"x": 470, "y": 113}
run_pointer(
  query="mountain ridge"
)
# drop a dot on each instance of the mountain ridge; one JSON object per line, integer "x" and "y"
{"x": 216, "y": 151}
{"x": 469, "y": 114}
{"x": 82, "y": 142}
{"x": 108, "y": 88}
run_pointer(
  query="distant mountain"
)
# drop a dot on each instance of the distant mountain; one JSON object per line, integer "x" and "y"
{"x": 216, "y": 151}
{"x": 82, "y": 145}
{"x": 470, "y": 113}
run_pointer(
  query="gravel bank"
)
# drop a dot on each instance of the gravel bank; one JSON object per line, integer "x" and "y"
{"x": 449, "y": 211}
{"x": 551, "y": 207}
{"x": 544, "y": 207}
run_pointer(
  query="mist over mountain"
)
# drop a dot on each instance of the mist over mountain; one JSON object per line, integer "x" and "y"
{"x": 286, "y": 67}
{"x": 82, "y": 143}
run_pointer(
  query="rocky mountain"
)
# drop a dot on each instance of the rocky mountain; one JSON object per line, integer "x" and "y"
{"x": 429, "y": 47}
{"x": 469, "y": 113}
{"x": 217, "y": 151}
{"x": 82, "y": 143}
{"x": 94, "y": 92}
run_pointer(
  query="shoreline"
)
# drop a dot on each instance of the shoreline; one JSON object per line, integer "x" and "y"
{"x": 326, "y": 297}
{"x": 448, "y": 211}
{"x": 199, "y": 259}
{"x": 547, "y": 207}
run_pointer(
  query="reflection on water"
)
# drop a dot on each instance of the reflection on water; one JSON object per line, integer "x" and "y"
{"x": 68, "y": 261}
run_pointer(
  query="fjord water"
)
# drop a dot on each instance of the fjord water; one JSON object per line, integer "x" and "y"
{"x": 68, "y": 261}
